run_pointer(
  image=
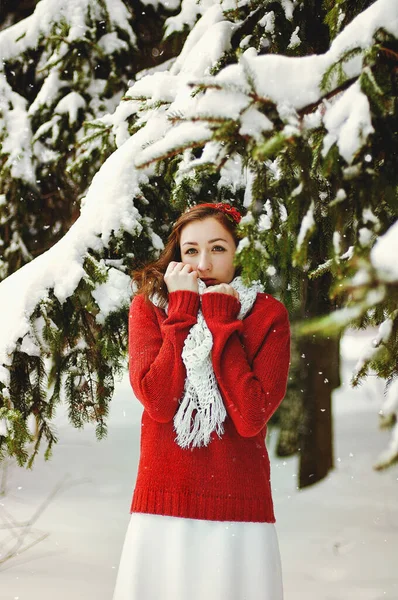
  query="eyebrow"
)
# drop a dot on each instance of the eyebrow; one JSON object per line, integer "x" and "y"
{"x": 209, "y": 242}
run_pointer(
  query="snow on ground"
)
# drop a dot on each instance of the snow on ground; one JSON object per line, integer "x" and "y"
{"x": 338, "y": 539}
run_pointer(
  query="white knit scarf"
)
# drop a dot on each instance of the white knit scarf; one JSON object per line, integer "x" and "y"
{"x": 201, "y": 393}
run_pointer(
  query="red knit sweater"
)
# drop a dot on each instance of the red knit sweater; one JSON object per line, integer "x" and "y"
{"x": 228, "y": 480}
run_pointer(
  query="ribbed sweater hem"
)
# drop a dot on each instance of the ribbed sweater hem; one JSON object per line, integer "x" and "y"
{"x": 203, "y": 506}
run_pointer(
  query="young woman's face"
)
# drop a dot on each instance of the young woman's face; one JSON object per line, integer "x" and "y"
{"x": 210, "y": 249}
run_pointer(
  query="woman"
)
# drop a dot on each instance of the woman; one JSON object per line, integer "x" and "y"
{"x": 208, "y": 359}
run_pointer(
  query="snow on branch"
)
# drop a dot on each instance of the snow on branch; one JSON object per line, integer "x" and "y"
{"x": 108, "y": 208}
{"x": 53, "y": 32}
{"x": 27, "y": 34}
{"x": 63, "y": 67}
{"x": 384, "y": 255}
{"x": 188, "y": 15}
{"x": 283, "y": 81}
{"x": 206, "y": 43}
{"x": 16, "y": 145}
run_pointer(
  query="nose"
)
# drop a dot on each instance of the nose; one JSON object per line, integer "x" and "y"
{"x": 204, "y": 263}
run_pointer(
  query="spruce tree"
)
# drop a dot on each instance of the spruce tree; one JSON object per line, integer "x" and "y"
{"x": 63, "y": 69}
{"x": 287, "y": 109}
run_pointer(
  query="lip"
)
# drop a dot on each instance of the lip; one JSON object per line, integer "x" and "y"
{"x": 209, "y": 280}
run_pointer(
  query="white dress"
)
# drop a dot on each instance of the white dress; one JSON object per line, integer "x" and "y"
{"x": 173, "y": 558}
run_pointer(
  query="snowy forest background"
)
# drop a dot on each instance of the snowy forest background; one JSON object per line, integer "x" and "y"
{"x": 115, "y": 116}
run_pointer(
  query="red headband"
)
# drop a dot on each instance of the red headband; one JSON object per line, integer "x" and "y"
{"x": 229, "y": 210}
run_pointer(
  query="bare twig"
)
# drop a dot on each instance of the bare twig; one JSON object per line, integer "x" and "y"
{"x": 20, "y": 531}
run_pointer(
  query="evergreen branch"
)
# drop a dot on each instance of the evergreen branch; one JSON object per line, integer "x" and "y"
{"x": 97, "y": 134}
{"x": 359, "y": 289}
{"x": 72, "y": 44}
{"x": 327, "y": 265}
{"x": 137, "y": 98}
{"x": 269, "y": 103}
{"x": 340, "y": 319}
{"x": 232, "y": 88}
{"x": 143, "y": 99}
{"x": 62, "y": 38}
{"x": 50, "y": 437}
{"x": 172, "y": 153}
{"x": 51, "y": 65}
{"x": 337, "y": 67}
{"x": 341, "y": 88}
{"x": 200, "y": 118}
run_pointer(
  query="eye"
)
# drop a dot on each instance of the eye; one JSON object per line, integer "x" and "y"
{"x": 219, "y": 248}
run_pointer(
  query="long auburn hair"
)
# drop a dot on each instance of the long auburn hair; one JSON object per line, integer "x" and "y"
{"x": 149, "y": 279}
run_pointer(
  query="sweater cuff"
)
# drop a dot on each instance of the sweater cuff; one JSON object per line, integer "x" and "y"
{"x": 220, "y": 306}
{"x": 183, "y": 301}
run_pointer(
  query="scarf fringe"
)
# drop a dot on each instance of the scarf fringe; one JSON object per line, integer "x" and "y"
{"x": 196, "y": 430}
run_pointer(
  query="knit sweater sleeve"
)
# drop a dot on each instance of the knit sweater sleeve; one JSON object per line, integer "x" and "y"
{"x": 252, "y": 393}
{"x": 157, "y": 372}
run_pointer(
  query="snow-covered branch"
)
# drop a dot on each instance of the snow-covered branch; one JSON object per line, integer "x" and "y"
{"x": 286, "y": 82}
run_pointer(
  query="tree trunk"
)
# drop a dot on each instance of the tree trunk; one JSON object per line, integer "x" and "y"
{"x": 320, "y": 375}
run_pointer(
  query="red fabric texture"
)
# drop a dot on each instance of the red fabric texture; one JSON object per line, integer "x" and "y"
{"x": 228, "y": 480}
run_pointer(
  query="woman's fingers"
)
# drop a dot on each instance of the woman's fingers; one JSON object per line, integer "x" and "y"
{"x": 180, "y": 276}
{"x": 183, "y": 276}
{"x": 223, "y": 288}
{"x": 171, "y": 266}
{"x": 178, "y": 266}
{"x": 186, "y": 267}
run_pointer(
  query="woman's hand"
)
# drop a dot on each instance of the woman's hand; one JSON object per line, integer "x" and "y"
{"x": 222, "y": 288}
{"x": 181, "y": 277}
